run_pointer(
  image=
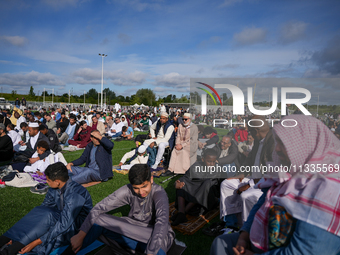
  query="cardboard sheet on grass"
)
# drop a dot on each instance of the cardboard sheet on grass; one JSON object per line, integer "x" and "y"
{"x": 156, "y": 173}
{"x": 194, "y": 223}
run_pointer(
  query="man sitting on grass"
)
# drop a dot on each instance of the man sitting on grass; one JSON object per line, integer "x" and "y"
{"x": 191, "y": 191}
{"x": 98, "y": 158}
{"x": 146, "y": 229}
{"x": 52, "y": 224}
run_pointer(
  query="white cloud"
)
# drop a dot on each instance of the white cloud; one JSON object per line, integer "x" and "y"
{"x": 293, "y": 31}
{"x": 32, "y": 78}
{"x": 62, "y": 3}
{"x": 14, "y": 40}
{"x": 172, "y": 79}
{"x": 250, "y": 36}
{"x": 50, "y": 56}
{"x": 6, "y": 62}
{"x": 119, "y": 77}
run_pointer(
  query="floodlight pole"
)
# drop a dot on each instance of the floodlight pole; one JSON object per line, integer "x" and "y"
{"x": 101, "y": 102}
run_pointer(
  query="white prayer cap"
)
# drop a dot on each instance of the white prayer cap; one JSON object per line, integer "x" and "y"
{"x": 165, "y": 114}
{"x": 141, "y": 149}
{"x": 188, "y": 115}
{"x": 33, "y": 124}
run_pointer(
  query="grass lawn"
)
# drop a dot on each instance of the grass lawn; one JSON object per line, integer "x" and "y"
{"x": 17, "y": 202}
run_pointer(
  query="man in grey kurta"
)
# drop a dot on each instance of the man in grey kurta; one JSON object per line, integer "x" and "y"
{"x": 147, "y": 225}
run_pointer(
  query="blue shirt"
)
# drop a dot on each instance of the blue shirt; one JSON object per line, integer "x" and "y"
{"x": 129, "y": 131}
{"x": 93, "y": 164}
{"x": 70, "y": 131}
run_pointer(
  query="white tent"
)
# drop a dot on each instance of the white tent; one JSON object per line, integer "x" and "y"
{"x": 136, "y": 105}
{"x": 142, "y": 105}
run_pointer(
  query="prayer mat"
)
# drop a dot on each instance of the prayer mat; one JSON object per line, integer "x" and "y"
{"x": 155, "y": 173}
{"x": 194, "y": 223}
{"x": 86, "y": 185}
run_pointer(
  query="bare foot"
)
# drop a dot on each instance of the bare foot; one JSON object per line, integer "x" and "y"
{"x": 179, "y": 184}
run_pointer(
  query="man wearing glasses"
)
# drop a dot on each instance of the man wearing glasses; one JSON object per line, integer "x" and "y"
{"x": 98, "y": 158}
{"x": 185, "y": 152}
{"x": 162, "y": 133}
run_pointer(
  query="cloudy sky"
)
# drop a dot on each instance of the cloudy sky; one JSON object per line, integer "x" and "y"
{"x": 161, "y": 44}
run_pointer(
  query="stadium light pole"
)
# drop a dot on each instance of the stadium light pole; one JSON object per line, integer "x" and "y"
{"x": 101, "y": 102}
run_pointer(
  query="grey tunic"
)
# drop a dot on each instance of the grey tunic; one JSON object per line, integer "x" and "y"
{"x": 147, "y": 222}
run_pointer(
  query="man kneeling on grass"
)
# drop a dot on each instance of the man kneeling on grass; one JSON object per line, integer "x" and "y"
{"x": 52, "y": 224}
{"x": 146, "y": 229}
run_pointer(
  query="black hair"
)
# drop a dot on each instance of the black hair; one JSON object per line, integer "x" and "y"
{"x": 10, "y": 126}
{"x": 57, "y": 171}
{"x": 82, "y": 122}
{"x": 73, "y": 117}
{"x": 208, "y": 130}
{"x": 200, "y": 128}
{"x": 124, "y": 128}
{"x": 42, "y": 126}
{"x": 43, "y": 144}
{"x": 23, "y": 124}
{"x": 210, "y": 152}
{"x": 139, "y": 173}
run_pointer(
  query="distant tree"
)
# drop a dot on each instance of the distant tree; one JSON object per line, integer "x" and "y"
{"x": 92, "y": 94}
{"x": 14, "y": 92}
{"x": 31, "y": 92}
{"x": 146, "y": 96}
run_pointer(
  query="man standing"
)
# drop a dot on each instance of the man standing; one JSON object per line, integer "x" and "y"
{"x": 17, "y": 103}
{"x": 98, "y": 158}
{"x": 162, "y": 133}
{"x": 185, "y": 151}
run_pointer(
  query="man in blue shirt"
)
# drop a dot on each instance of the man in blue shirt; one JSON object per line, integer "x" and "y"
{"x": 98, "y": 158}
{"x": 55, "y": 221}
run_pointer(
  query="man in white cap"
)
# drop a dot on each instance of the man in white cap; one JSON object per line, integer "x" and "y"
{"x": 163, "y": 135}
{"x": 185, "y": 151}
{"x": 136, "y": 156}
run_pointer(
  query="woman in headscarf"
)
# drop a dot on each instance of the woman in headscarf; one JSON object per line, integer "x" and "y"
{"x": 299, "y": 212}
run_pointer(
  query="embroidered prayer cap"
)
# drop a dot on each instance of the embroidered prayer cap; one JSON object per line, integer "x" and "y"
{"x": 33, "y": 124}
{"x": 165, "y": 114}
{"x": 141, "y": 149}
{"x": 187, "y": 115}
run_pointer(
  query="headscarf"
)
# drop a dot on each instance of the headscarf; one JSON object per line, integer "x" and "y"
{"x": 310, "y": 197}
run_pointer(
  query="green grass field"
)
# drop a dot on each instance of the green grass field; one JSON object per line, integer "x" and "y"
{"x": 16, "y": 202}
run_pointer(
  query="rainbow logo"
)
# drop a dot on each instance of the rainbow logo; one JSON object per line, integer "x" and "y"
{"x": 209, "y": 93}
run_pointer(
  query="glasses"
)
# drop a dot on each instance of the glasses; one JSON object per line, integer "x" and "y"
{"x": 186, "y": 119}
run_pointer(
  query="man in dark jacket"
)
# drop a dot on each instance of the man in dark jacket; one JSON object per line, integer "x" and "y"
{"x": 52, "y": 137}
{"x": 146, "y": 229}
{"x": 6, "y": 145}
{"x": 98, "y": 158}
{"x": 227, "y": 152}
{"x": 55, "y": 221}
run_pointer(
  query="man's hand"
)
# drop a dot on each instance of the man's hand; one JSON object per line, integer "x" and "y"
{"x": 97, "y": 135}
{"x": 33, "y": 160}
{"x": 179, "y": 184}
{"x": 113, "y": 131}
{"x": 77, "y": 241}
{"x": 30, "y": 246}
{"x": 58, "y": 131}
{"x": 243, "y": 188}
{"x": 68, "y": 166}
{"x": 152, "y": 145}
{"x": 245, "y": 252}
{"x": 120, "y": 164}
{"x": 79, "y": 130}
{"x": 78, "y": 146}
{"x": 178, "y": 147}
{"x": 22, "y": 143}
{"x": 243, "y": 244}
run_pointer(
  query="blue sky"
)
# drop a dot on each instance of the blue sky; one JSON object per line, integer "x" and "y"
{"x": 161, "y": 44}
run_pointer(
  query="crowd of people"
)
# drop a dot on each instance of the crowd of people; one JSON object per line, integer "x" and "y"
{"x": 261, "y": 211}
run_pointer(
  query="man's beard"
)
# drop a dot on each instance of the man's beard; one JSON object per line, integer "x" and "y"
{"x": 187, "y": 124}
